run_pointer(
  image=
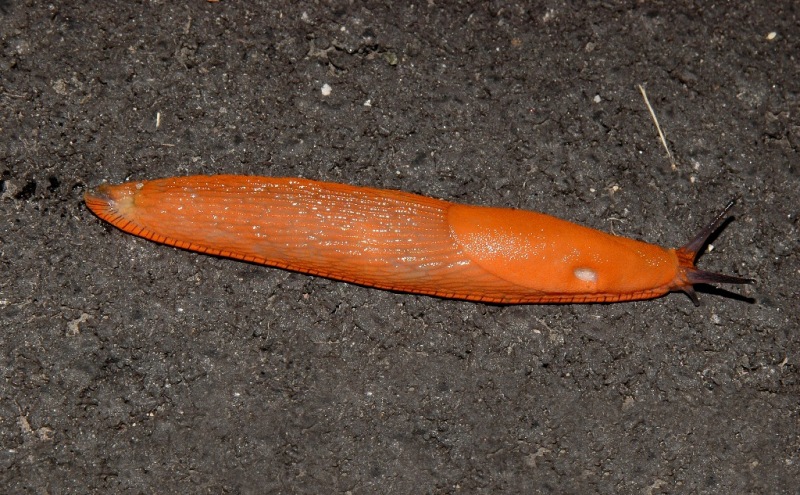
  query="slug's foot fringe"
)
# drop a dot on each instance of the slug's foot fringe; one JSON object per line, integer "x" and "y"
{"x": 688, "y": 254}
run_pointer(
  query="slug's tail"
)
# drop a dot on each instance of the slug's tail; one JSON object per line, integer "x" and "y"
{"x": 101, "y": 202}
{"x": 688, "y": 254}
{"x": 98, "y": 200}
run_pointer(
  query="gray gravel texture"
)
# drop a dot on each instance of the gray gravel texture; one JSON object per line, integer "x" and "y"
{"x": 130, "y": 367}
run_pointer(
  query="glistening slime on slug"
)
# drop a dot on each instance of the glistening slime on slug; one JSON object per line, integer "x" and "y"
{"x": 402, "y": 241}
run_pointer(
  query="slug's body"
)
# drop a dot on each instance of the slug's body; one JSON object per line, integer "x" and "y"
{"x": 399, "y": 241}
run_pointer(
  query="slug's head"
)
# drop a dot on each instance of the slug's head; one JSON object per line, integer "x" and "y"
{"x": 689, "y": 274}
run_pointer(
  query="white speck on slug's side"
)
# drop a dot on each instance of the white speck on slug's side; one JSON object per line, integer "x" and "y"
{"x": 585, "y": 274}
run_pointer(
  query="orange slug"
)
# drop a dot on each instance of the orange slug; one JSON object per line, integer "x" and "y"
{"x": 401, "y": 241}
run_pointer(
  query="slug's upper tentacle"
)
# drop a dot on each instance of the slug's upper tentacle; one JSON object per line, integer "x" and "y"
{"x": 689, "y": 274}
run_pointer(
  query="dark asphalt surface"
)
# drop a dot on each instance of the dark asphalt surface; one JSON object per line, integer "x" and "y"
{"x": 129, "y": 367}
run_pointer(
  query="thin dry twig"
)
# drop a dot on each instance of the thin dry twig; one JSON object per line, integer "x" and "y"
{"x": 11, "y": 95}
{"x": 658, "y": 127}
